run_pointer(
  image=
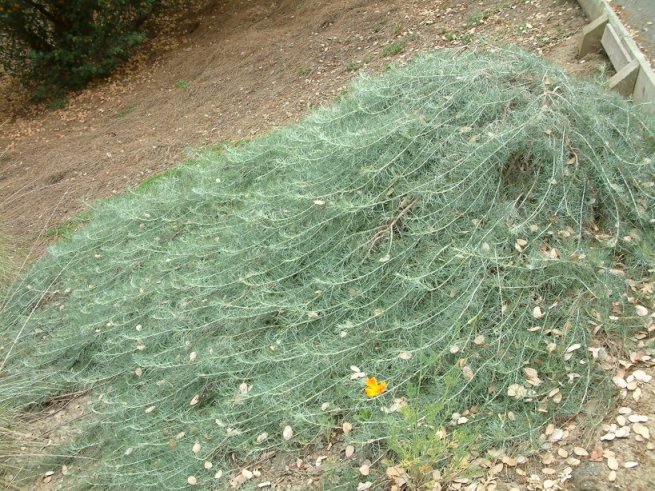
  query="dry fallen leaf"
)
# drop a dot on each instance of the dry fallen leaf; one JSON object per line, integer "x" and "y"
{"x": 636, "y": 395}
{"x": 150, "y": 409}
{"x": 619, "y": 382}
{"x": 287, "y": 434}
{"x": 347, "y": 427}
{"x": 208, "y": 465}
{"x": 262, "y": 437}
{"x": 548, "y": 458}
{"x": 641, "y": 430}
{"x": 195, "y": 400}
{"x": 622, "y": 432}
{"x": 537, "y": 313}
{"x": 641, "y": 310}
{"x": 516, "y": 391}
{"x": 363, "y": 486}
{"x": 192, "y": 356}
{"x": 642, "y": 376}
{"x": 405, "y": 355}
{"x": 394, "y": 472}
{"x": 596, "y": 454}
{"x": 530, "y": 373}
{"x": 557, "y": 435}
{"x": 196, "y": 447}
{"x": 365, "y": 469}
{"x": 247, "y": 474}
{"x": 350, "y": 450}
{"x": 192, "y": 480}
{"x": 510, "y": 461}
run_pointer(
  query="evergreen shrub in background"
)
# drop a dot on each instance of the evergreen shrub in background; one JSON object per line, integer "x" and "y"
{"x": 59, "y": 45}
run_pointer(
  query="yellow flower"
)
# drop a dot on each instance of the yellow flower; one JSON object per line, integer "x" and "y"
{"x": 374, "y": 388}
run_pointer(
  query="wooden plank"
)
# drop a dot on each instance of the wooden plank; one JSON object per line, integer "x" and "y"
{"x": 625, "y": 80}
{"x": 591, "y": 35}
{"x": 614, "y": 48}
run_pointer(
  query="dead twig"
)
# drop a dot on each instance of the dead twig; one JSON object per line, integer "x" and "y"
{"x": 388, "y": 228}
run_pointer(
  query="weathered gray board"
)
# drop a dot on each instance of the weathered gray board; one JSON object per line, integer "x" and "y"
{"x": 634, "y": 76}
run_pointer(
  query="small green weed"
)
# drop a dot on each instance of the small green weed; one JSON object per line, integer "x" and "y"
{"x": 339, "y": 475}
{"x": 302, "y": 71}
{"x": 378, "y": 27}
{"x": 394, "y": 48}
{"x": 61, "y": 231}
{"x": 65, "y": 230}
{"x": 423, "y": 444}
{"x": 151, "y": 181}
{"x": 474, "y": 20}
{"x": 58, "y": 104}
{"x": 353, "y": 66}
{"x": 182, "y": 84}
{"x": 127, "y": 110}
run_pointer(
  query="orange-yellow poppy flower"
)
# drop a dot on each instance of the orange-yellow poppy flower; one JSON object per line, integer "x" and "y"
{"x": 374, "y": 388}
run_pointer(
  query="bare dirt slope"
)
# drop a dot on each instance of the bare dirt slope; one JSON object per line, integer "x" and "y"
{"x": 233, "y": 70}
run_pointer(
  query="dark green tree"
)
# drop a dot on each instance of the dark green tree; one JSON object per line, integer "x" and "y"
{"x": 63, "y": 44}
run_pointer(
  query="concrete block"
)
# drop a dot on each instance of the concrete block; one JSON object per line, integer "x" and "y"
{"x": 625, "y": 80}
{"x": 613, "y": 46}
{"x": 644, "y": 91}
{"x": 592, "y": 8}
{"x": 591, "y": 35}
{"x": 623, "y": 52}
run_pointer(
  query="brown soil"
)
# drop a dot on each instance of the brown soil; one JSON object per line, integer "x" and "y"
{"x": 231, "y": 71}
{"x": 228, "y": 71}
